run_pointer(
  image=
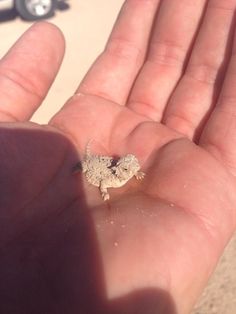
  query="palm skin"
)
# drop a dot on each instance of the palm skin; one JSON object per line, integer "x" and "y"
{"x": 178, "y": 207}
{"x": 152, "y": 247}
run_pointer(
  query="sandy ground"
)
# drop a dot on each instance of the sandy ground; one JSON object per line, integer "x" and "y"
{"x": 86, "y": 26}
{"x": 219, "y": 296}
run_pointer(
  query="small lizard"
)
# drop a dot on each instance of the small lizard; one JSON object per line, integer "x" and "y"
{"x": 107, "y": 172}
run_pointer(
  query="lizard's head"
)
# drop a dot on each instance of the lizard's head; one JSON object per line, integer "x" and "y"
{"x": 127, "y": 166}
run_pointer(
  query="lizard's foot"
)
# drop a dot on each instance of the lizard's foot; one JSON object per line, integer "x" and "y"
{"x": 104, "y": 192}
{"x": 105, "y": 196}
{"x": 139, "y": 175}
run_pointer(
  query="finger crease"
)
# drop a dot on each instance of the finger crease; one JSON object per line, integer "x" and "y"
{"x": 146, "y": 109}
{"x": 222, "y": 8}
{"x": 206, "y": 74}
{"x": 180, "y": 124}
{"x": 166, "y": 53}
{"x": 21, "y": 81}
{"x": 124, "y": 49}
{"x": 8, "y": 116}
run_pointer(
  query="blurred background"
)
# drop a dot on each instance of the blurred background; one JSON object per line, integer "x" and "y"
{"x": 86, "y": 25}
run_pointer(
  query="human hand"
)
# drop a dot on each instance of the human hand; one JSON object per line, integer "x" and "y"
{"x": 169, "y": 102}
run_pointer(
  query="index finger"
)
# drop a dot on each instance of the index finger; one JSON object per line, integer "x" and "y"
{"x": 28, "y": 70}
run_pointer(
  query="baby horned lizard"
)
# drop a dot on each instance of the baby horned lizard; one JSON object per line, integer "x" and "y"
{"x": 107, "y": 172}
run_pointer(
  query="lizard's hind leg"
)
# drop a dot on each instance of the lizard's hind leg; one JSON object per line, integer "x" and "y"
{"x": 104, "y": 192}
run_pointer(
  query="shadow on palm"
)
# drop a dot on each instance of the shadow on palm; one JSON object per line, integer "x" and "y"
{"x": 50, "y": 253}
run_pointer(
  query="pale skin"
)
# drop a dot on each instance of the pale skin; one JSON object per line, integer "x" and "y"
{"x": 166, "y": 94}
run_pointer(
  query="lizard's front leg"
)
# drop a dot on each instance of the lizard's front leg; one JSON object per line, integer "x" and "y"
{"x": 139, "y": 175}
{"x": 104, "y": 192}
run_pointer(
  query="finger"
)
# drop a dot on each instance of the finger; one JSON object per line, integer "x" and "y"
{"x": 28, "y": 70}
{"x": 198, "y": 89}
{"x": 175, "y": 28}
{"x": 219, "y": 134}
{"x": 113, "y": 73}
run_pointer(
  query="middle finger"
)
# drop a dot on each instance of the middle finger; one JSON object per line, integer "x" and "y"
{"x": 176, "y": 25}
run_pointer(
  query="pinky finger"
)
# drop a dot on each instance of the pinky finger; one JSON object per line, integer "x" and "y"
{"x": 219, "y": 134}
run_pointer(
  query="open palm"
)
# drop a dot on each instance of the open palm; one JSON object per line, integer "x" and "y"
{"x": 169, "y": 99}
